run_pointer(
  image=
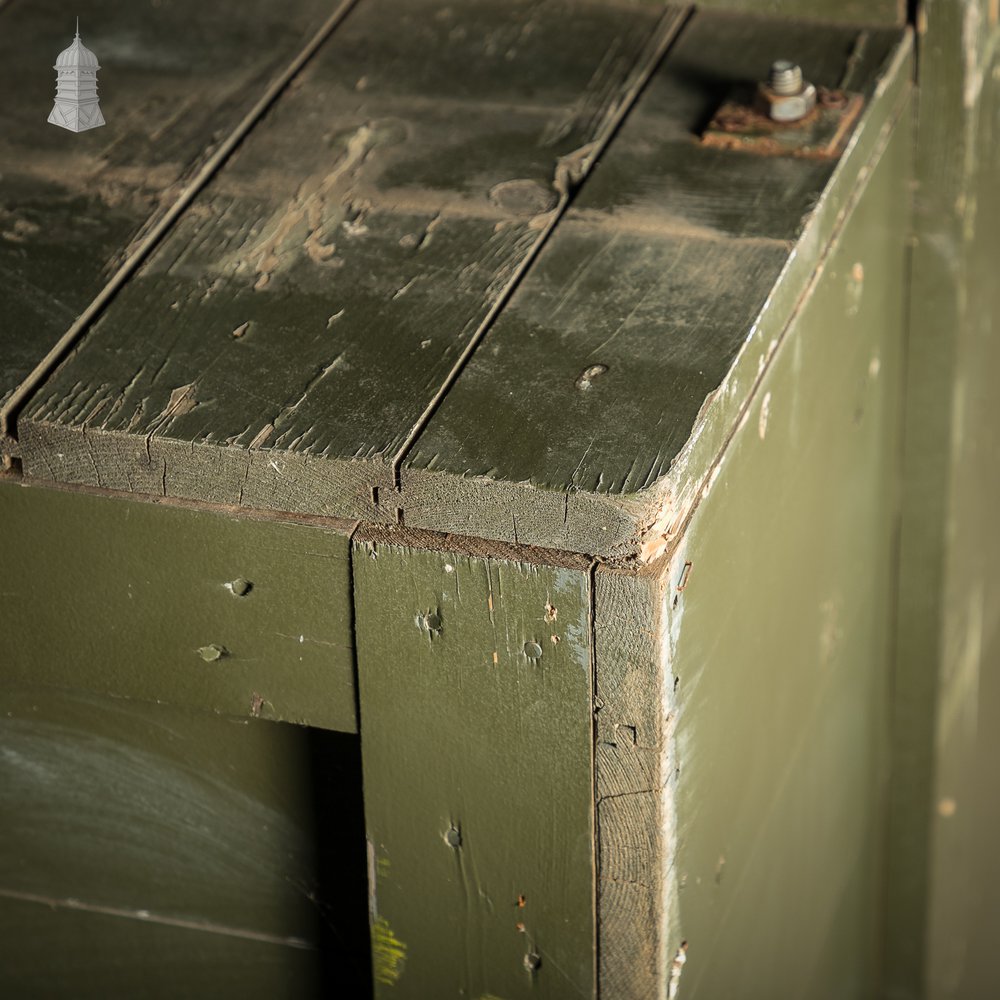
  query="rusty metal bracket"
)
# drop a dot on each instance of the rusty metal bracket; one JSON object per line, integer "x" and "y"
{"x": 822, "y": 134}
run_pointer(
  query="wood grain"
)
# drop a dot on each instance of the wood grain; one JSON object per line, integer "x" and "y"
{"x": 632, "y": 760}
{"x": 279, "y": 348}
{"x": 175, "y": 78}
{"x": 306, "y": 319}
{"x": 623, "y": 362}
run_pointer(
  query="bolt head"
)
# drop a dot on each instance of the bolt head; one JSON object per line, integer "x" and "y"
{"x": 532, "y": 962}
{"x": 786, "y": 107}
{"x": 453, "y": 837}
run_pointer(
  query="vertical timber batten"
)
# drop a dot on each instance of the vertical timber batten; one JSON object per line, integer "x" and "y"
{"x": 475, "y": 690}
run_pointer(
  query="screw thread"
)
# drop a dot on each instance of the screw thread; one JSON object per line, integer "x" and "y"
{"x": 786, "y": 77}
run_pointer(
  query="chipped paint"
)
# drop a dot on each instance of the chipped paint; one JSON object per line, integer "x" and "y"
{"x": 388, "y": 953}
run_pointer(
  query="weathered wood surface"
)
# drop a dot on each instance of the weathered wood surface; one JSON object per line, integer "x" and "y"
{"x": 633, "y": 783}
{"x": 159, "y": 603}
{"x": 943, "y": 912}
{"x": 146, "y": 851}
{"x": 251, "y": 356}
{"x": 622, "y": 364}
{"x": 475, "y": 691}
{"x": 777, "y": 648}
{"x": 281, "y": 346}
{"x": 176, "y": 77}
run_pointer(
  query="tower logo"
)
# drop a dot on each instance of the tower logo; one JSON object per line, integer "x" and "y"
{"x": 76, "y": 106}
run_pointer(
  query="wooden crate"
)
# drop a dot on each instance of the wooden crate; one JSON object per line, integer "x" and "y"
{"x": 438, "y": 398}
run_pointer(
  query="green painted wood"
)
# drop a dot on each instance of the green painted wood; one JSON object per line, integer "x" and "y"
{"x": 778, "y": 647}
{"x": 943, "y": 914}
{"x": 477, "y": 726}
{"x": 281, "y": 346}
{"x": 147, "y": 851}
{"x": 190, "y": 607}
{"x": 623, "y": 362}
{"x": 176, "y": 77}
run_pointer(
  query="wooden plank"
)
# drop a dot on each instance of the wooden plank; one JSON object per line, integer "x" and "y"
{"x": 284, "y": 342}
{"x": 475, "y": 691}
{"x": 778, "y": 647}
{"x": 175, "y": 78}
{"x": 597, "y": 403}
{"x": 633, "y": 782}
{"x": 150, "y": 851}
{"x": 194, "y": 608}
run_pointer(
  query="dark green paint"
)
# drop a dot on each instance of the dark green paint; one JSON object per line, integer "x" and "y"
{"x": 777, "y": 648}
{"x": 467, "y": 729}
{"x": 301, "y": 317}
{"x": 675, "y": 270}
{"x": 149, "y": 851}
{"x": 120, "y": 597}
{"x": 175, "y": 78}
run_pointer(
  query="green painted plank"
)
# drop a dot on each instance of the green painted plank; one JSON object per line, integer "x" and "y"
{"x": 622, "y": 363}
{"x": 281, "y": 346}
{"x": 150, "y": 851}
{"x": 778, "y": 647}
{"x": 147, "y": 601}
{"x": 175, "y": 78}
{"x": 475, "y": 692}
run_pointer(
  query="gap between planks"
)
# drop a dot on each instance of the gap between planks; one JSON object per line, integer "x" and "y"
{"x": 10, "y": 409}
{"x": 668, "y": 30}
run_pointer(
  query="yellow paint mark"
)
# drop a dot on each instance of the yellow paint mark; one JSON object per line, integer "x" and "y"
{"x": 489, "y": 601}
{"x": 382, "y": 867}
{"x": 496, "y": 658}
{"x": 388, "y": 952}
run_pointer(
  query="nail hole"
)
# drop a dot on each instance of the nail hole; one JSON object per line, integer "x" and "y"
{"x": 429, "y": 621}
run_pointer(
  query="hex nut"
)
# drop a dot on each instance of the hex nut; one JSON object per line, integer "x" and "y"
{"x": 786, "y": 107}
